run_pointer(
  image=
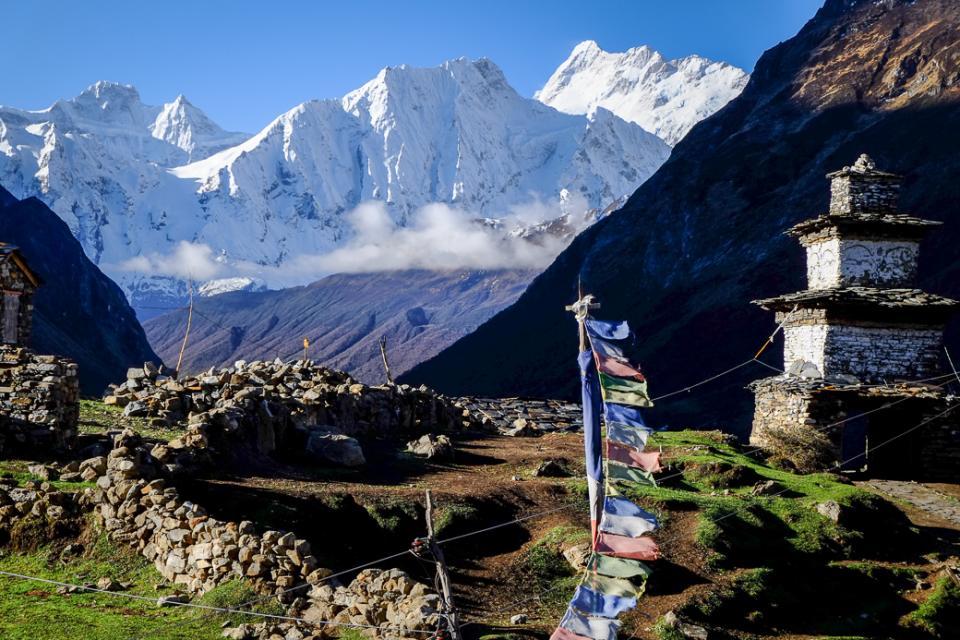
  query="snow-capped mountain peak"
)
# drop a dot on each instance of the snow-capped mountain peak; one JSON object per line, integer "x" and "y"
{"x": 665, "y": 97}
{"x": 185, "y": 126}
{"x": 156, "y": 194}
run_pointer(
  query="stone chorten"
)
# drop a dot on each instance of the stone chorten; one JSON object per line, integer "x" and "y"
{"x": 860, "y": 336}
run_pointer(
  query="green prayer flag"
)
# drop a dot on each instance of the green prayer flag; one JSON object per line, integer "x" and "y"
{"x": 611, "y": 586}
{"x": 631, "y": 398}
{"x": 627, "y": 385}
{"x": 617, "y": 567}
{"x": 618, "y": 471}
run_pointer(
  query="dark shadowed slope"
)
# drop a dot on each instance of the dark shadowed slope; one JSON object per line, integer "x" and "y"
{"x": 79, "y": 312}
{"x": 420, "y": 313}
{"x": 703, "y": 237}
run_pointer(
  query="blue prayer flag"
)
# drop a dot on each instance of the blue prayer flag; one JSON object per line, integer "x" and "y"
{"x": 598, "y": 604}
{"x": 608, "y": 330}
{"x": 592, "y": 440}
{"x": 623, "y": 414}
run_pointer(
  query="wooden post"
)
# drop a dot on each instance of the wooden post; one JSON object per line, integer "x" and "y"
{"x": 383, "y": 354}
{"x": 581, "y": 311}
{"x": 186, "y": 334}
{"x": 442, "y": 575}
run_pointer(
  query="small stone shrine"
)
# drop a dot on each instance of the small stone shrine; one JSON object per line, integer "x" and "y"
{"x": 862, "y": 347}
{"x": 39, "y": 394}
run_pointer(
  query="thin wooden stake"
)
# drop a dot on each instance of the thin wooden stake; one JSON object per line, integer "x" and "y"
{"x": 383, "y": 354}
{"x": 186, "y": 334}
{"x": 442, "y": 575}
{"x": 950, "y": 360}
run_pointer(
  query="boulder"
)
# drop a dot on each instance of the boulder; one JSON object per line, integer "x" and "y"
{"x": 432, "y": 447}
{"x": 829, "y": 509}
{"x": 44, "y": 471}
{"x": 336, "y": 449}
{"x": 552, "y": 469}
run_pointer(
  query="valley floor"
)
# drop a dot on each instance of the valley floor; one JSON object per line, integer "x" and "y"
{"x": 747, "y": 552}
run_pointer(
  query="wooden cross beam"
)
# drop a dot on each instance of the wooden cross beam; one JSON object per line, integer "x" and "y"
{"x": 581, "y": 311}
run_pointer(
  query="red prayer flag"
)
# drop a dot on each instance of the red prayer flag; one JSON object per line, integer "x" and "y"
{"x": 642, "y": 548}
{"x": 565, "y": 634}
{"x": 646, "y": 460}
{"x": 618, "y": 368}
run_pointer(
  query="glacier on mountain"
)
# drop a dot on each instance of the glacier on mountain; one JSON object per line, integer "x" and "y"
{"x": 133, "y": 181}
{"x": 665, "y": 97}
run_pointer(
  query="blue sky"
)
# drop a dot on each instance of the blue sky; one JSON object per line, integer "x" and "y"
{"x": 244, "y": 63}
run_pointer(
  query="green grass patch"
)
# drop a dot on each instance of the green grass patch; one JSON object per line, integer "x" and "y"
{"x": 939, "y": 614}
{"x": 17, "y": 469}
{"x": 35, "y": 611}
{"x": 97, "y": 418}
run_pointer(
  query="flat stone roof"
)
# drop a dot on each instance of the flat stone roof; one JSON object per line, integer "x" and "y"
{"x": 860, "y": 297}
{"x": 887, "y": 224}
{"x": 848, "y": 385}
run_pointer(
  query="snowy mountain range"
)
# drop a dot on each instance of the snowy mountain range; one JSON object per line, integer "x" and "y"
{"x": 665, "y": 97}
{"x": 159, "y": 194}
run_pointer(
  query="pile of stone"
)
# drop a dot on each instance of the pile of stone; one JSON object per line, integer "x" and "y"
{"x": 196, "y": 552}
{"x": 35, "y": 500}
{"x": 39, "y": 400}
{"x": 518, "y": 417}
{"x": 189, "y": 548}
{"x": 302, "y": 391}
{"x": 379, "y": 603}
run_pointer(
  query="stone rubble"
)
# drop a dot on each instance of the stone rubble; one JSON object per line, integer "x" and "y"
{"x": 304, "y": 392}
{"x": 195, "y": 552}
{"x": 538, "y": 416}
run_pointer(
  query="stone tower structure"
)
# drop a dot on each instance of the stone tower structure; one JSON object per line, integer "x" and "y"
{"x": 859, "y": 336}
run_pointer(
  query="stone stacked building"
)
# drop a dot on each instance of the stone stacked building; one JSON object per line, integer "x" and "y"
{"x": 862, "y": 346}
{"x": 18, "y": 282}
{"x": 39, "y": 394}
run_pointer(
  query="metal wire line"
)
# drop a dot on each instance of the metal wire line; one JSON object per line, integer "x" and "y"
{"x": 191, "y": 605}
{"x": 839, "y": 465}
{"x": 298, "y": 587}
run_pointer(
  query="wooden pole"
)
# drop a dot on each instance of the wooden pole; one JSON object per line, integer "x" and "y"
{"x": 186, "y": 334}
{"x": 383, "y": 354}
{"x": 442, "y": 575}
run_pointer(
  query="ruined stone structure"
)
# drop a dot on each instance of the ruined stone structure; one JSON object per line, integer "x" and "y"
{"x": 858, "y": 338}
{"x": 16, "y": 306}
{"x": 39, "y": 394}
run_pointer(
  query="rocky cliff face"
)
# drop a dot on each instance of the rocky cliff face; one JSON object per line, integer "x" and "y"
{"x": 703, "y": 237}
{"x": 78, "y": 311}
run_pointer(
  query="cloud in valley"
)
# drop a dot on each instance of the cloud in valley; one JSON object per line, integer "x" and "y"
{"x": 437, "y": 237}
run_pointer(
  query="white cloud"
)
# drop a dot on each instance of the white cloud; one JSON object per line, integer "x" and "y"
{"x": 437, "y": 237}
{"x": 188, "y": 260}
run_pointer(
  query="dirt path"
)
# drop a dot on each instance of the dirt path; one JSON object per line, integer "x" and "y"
{"x": 934, "y": 501}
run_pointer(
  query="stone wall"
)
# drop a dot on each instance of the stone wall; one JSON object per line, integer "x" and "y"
{"x": 796, "y": 420}
{"x": 854, "y": 262}
{"x": 39, "y": 400}
{"x": 196, "y": 552}
{"x": 15, "y": 287}
{"x": 863, "y": 193}
{"x": 871, "y": 354}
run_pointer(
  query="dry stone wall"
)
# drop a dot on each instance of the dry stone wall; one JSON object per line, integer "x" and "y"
{"x": 298, "y": 394}
{"x": 39, "y": 400}
{"x": 197, "y": 552}
{"x": 836, "y": 349}
{"x": 863, "y": 193}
